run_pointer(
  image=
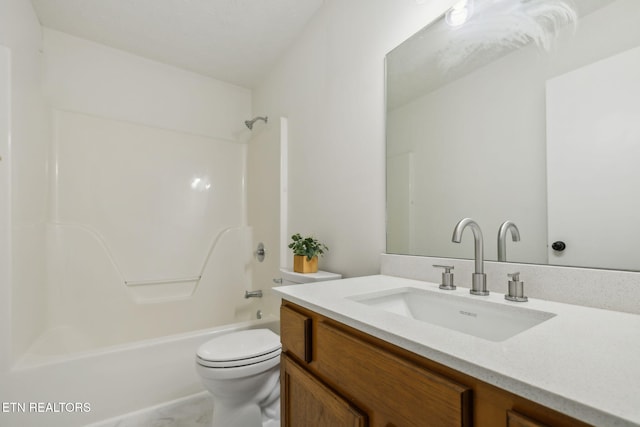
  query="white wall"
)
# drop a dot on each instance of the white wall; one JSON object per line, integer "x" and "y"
{"x": 94, "y": 79}
{"x": 20, "y": 32}
{"x": 330, "y": 84}
{"x": 5, "y": 208}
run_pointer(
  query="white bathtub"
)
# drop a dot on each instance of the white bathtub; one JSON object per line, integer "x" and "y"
{"x": 106, "y": 383}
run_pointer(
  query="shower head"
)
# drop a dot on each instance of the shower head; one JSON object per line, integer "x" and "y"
{"x": 250, "y": 123}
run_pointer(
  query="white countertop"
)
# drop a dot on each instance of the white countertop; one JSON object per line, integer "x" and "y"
{"x": 584, "y": 362}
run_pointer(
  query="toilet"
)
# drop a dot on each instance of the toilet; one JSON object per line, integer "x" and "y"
{"x": 242, "y": 372}
{"x": 242, "y": 369}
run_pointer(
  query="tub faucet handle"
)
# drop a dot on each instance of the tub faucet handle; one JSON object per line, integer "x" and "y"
{"x": 260, "y": 252}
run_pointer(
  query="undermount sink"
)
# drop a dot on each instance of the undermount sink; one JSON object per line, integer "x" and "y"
{"x": 491, "y": 321}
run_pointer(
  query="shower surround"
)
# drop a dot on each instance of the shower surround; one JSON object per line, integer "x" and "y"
{"x": 146, "y": 236}
{"x": 146, "y": 232}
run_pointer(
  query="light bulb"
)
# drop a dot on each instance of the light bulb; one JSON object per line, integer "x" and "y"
{"x": 459, "y": 13}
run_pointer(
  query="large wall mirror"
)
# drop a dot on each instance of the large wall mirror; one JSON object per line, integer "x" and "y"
{"x": 520, "y": 110}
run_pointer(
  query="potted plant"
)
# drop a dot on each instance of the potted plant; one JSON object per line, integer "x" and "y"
{"x": 305, "y": 253}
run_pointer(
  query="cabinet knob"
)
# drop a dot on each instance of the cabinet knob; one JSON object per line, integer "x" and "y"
{"x": 558, "y": 246}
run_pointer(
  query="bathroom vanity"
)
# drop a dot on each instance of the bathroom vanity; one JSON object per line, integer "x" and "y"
{"x": 354, "y": 355}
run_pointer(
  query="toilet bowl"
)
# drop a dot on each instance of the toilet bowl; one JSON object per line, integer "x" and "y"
{"x": 242, "y": 372}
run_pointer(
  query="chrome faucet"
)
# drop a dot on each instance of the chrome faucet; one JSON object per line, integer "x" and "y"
{"x": 253, "y": 294}
{"x": 478, "y": 278}
{"x": 502, "y": 238}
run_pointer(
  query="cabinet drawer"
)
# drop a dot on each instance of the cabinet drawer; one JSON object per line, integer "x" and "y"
{"x": 295, "y": 333}
{"x": 376, "y": 378}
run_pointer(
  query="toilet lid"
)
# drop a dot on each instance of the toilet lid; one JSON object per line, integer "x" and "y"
{"x": 240, "y": 348}
{"x": 239, "y": 363}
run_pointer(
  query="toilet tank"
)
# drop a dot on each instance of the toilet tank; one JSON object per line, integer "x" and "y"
{"x": 290, "y": 277}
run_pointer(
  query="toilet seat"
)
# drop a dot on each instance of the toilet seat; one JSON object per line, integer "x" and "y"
{"x": 238, "y": 349}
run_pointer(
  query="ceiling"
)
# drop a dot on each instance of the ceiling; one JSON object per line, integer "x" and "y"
{"x": 237, "y": 41}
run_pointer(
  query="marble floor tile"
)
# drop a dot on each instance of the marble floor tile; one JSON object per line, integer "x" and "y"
{"x": 191, "y": 411}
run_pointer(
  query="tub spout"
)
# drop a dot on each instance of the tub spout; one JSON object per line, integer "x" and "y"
{"x": 253, "y": 294}
{"x": 478, "y": 278}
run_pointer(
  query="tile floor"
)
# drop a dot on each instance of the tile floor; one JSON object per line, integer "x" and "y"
{"x": 191, "y": 411}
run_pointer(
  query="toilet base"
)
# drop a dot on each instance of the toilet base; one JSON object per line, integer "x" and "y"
{"x": 252, "y": 401}
{"x": 246, "y": 416}
{"x": 271, "y": 408}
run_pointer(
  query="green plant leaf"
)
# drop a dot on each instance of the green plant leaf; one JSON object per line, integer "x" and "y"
{"x": 307, "y": 246}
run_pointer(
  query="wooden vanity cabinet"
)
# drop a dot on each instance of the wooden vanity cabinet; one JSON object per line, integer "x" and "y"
{"x": 333, "y": 375}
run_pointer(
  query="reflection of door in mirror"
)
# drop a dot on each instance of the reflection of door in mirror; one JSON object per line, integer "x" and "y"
{"x": 593, "y": 174}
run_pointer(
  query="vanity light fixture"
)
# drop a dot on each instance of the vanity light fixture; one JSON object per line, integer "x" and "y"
{"x": 459, "y": 13}
{"x": 493, "y": 28}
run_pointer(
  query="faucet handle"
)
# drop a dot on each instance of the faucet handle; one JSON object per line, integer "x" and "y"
{"x": 447, "y": 277}
{"x": 516, "y": 288}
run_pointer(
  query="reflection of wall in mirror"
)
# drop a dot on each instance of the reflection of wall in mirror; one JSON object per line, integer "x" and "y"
{"x": 400, "y": 219}
{"x": 463, "y": 138}
{"x": 479, "y": 142}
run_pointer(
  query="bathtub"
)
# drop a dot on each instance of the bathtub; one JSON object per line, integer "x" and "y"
{"x": 88, "y": 387}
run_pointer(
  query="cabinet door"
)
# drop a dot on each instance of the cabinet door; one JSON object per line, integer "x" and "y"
{"x": 306, "y": 402}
